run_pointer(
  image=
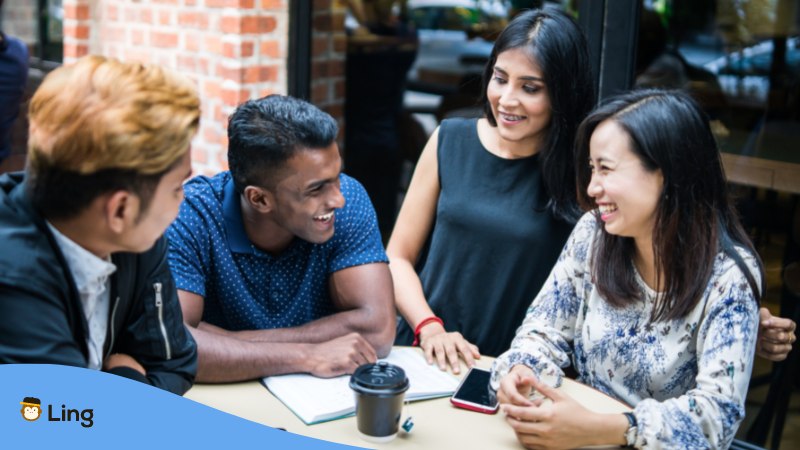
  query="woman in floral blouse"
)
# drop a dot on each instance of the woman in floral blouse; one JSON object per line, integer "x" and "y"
{"x": 654, "y": 299}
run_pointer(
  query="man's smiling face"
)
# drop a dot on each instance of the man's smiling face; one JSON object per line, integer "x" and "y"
{"x": 306, "y": 199}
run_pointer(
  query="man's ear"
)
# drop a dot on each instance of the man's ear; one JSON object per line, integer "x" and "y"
{"x": 121, "y": 210}
{"x": 260, "y": 199}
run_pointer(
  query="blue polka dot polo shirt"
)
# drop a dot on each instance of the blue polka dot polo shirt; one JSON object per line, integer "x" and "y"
{"x": 245, "y": 288}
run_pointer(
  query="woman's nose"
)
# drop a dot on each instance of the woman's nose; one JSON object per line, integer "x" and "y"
{"x": 594, "y": 189}
{"x": 507, "y": 96}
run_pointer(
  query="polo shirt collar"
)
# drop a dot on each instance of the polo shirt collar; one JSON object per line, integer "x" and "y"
{"x": 234, "y": 227}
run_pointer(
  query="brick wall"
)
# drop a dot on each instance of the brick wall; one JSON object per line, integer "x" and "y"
{"x": 328, "y": 53}
{"x": 234, "y": 50}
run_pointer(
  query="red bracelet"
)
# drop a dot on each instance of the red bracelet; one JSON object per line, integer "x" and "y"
{"x": 422, "y": 324}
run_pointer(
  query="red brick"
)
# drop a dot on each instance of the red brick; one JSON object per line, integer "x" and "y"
{"x": 160, "y": 39}
{"x": 77, "y": 31}
{"x": 192, "y": 42}
{"x": 212, "y": 44}
{"x": 240, "y": 4}
{"x": 234, "y": 97}
{"x": 222, "y": 159}
{"x": 75, "y": 50}
{"x": 131, "y": 14}
{"x": 211, "y": 135}
{"x": 220, "y": 115}
{"x": 137, "y": 36}
{"x": 210, "y": 89}
{"x": 190, "y": 2}
{"x": 255, "y": 24}
{"x": 247, "y": 49}
{"x": 112, "y": 12}
{"x": 321, "y": 23}
{"x": 230, "y": 50}
{"x": 235, "y": 74}
{"x": 335, "y": 68}
{"x": 167, "y": 2}
{"x": 188, "y": 18}
{"x": 337, "y": 22}
{"x": 137, "y": 55}
{"x": 320, "y": 45}
{"x": 237, "y": 49}
{"x": 265, "y": 92}
{"x": 166, "y": 17}
{"x": 272, "y": 4}
{"x": 270, "y": 48}
{"x": 336, "y": 110}
{"x": 147, "y": 16}
{"x": 320, "y": 5}
{"x": 187, "y": 63}
{"x": 268, "y": 73}
{"x": 319, "y": 93}
{"x": 77, "y": 12}
{"x": 319, "y": 69}
{"x": 340, "y": 43}
{"x": 230, "y": 24}
{"x": 203, "y": 65}
{"x": 199, "y": 155}
{"x": 339, "y": 89}
{"x": 111, "y": 34}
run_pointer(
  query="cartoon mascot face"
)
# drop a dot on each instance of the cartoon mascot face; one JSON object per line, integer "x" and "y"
{"x": 31, "y": 408}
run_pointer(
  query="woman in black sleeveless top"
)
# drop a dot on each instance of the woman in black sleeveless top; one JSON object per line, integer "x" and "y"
{"x": 492, "y": 200}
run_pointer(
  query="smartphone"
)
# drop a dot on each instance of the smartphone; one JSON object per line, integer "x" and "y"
{"x": 474, "y": 392}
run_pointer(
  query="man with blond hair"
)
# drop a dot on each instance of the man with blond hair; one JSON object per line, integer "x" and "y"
{"x": 84, "y": 279}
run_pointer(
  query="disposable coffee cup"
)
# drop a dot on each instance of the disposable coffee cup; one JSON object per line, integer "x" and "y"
{"x": 379, "y": 390}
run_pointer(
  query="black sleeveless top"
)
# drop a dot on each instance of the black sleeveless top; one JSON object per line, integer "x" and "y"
{"x": 493, "y": 242}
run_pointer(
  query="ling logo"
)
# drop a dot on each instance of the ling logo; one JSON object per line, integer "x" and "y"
{"x": 31, "y": 408}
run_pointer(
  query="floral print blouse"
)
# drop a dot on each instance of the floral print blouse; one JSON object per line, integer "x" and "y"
{"x": 687, "y": 378}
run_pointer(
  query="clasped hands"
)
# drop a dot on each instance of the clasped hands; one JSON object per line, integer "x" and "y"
{"x": 552, "y": 419}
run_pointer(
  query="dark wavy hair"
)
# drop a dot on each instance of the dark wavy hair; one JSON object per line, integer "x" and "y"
{"x": 555, "y": 43}
{"x": 695, "y": 218}
{"x": 264, "y": 133}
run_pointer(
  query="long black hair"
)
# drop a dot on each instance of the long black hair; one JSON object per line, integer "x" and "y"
{"x": 555, "y": 43}
{"x": 695, "y": 218}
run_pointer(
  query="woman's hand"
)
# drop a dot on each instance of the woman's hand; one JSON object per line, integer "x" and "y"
{"x": 775, "y": 336}
{"x": 561, "y": 422}
{"x": 516, "y": 386}
{"x": 446, "y": 347}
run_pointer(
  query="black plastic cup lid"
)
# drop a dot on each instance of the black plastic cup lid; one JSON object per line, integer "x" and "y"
{"x": 379, "y": 378}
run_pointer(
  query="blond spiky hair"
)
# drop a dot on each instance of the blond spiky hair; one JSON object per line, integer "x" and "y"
{"x": 100, "y": 114}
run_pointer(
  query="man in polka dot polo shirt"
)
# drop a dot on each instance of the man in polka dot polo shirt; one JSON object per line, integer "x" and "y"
{"x": 279, "y": 263}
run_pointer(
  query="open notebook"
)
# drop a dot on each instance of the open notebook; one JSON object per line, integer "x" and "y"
{"x": 316, "y": 400}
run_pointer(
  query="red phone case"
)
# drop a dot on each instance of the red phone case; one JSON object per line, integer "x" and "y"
{"x": 474, "y": 407}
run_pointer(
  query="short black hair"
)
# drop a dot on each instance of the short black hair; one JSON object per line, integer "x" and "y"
{"x": 263, "y": 134}
{"x": 555, "y": 43}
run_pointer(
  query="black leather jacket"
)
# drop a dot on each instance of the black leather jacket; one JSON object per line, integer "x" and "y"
{"x": 41, "y": 316}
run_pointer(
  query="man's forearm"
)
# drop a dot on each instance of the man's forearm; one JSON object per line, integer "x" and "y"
{"x": 377, "y": 329}
{"x": 223, "y": 358}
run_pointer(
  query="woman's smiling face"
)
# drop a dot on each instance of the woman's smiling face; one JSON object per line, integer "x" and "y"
{"x": 626, "y": 193}
{"x": 518, "y": 99}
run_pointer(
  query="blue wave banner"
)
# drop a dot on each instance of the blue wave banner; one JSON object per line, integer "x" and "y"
{"x": 49, "y": 406}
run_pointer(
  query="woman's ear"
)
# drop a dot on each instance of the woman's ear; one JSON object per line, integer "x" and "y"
{"x": 260, "y": 199}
